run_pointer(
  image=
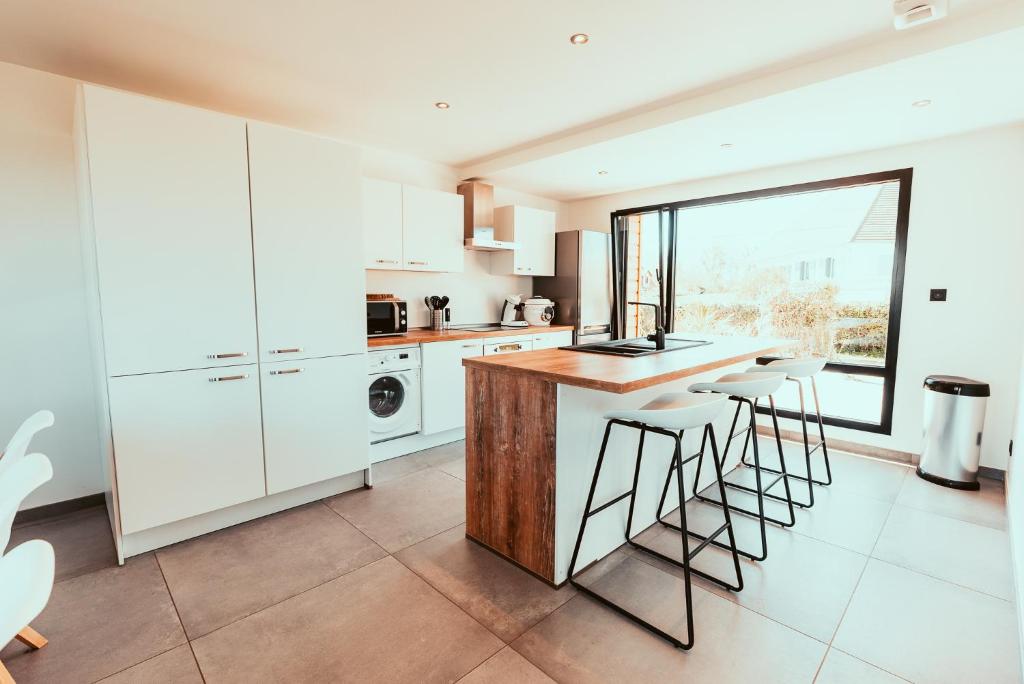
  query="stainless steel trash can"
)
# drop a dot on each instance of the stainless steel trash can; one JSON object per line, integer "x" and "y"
{"x": 954, "y": 414}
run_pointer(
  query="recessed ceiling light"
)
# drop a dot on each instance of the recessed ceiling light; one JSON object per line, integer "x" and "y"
{"x": 727, "y": 146}
{"x": 602, "y": 173}
{"x": 442, "y": 105}
{"x": 921, "y": 103}
{"x": 579, "y": 39}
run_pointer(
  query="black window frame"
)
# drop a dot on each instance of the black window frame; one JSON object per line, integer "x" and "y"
{"x": 887, "y": 372}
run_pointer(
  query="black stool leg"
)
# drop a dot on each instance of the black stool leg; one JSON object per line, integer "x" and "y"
{"x": 821, "y": 432}
{"x": 590, "y": 498}
{"x": 678, "y": 458}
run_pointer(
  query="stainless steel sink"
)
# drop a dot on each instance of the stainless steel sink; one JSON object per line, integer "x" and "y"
{"x": 637, "y": 346}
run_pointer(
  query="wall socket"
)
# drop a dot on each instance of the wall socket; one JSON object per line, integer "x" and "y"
{"x": 937, "y": 295}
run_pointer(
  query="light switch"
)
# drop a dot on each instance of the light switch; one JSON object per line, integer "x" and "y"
{"x": 937, "y": 295}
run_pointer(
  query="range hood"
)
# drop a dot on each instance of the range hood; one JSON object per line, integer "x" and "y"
{"x": 478, "y": 225}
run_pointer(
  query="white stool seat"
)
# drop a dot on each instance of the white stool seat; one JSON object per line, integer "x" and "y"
{"x": 675, "y": 411}
{"x": 747, "y": 385}
{"x": 804, "y": 367}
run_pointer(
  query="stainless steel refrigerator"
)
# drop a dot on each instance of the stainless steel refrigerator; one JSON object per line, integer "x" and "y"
{"x": 582, "y": 285}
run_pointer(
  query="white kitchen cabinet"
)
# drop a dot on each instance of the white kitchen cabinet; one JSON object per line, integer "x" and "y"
{"x": 533, "y": 230}
{"x": 382, "y": 224}
{"x": 431, "y": 230}
{"x": 444, "y": 383}
{"x": 306, "y": 229}
{"x": 314, "y": 420}
{"x": 169, "y": 191}
{"x": 185, "y": 443}
{"x": 509, "y": 346}
{"x": 552, "y": 340}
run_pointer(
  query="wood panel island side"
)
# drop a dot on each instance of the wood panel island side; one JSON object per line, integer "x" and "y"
{"x": 533, "y": 430}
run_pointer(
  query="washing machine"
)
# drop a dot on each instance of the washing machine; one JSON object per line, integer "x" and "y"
{"x": 394, "y": 389}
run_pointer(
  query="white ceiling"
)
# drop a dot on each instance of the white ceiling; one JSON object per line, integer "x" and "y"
{"x": 370, "y": 72}
{"x": 971, "y": 85}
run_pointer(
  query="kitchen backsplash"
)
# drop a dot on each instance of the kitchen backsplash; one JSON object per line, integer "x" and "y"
{"x": 476, "y": 295}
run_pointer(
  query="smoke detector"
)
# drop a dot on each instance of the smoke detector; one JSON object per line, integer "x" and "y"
{"x": 910, "y": 13}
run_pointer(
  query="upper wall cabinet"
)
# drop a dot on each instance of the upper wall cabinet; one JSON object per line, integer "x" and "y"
{"x": 534, "y": 231}
{"x": 431, "y": 230}
{"x": 382, "y": 224}
{"x": 170, "y": 217}
{"x": 306, "y": 197}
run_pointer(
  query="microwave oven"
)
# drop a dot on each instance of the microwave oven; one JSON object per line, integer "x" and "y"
{"x": 386, "y": 317}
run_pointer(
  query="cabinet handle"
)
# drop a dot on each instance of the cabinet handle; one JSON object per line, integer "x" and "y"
{"x": 291, "y": 350}
{"x": 287, "y": 372}
{"x": 470, "y": 346}
{"x": 510, "y": 347}
{"x": 226, "y": 355}
{"x": 417, "y": 263}
{"x": 227, "y": 378}
{"x": 386, "y": 261}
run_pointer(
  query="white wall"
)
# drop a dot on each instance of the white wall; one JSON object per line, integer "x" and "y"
{"x": 1015, "y": 505}
{"x": 46, "y": 360}
{"x": 966, "y": 234}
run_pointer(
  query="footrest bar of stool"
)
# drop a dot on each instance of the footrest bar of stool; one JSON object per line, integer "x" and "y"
{"x": 766, "y": 493}
{"x": 668, "y": 559}
{"x": 816, "y": 447}
{"x": 752, "y": 514}
{"x": 791, "y": 475}
{"x": 708, "y": 539}
{"x": 740, "y": 432}
{"x": 713, "y": 542}
{"x": 609, "y": 503}
{"x": 635, "y": 618}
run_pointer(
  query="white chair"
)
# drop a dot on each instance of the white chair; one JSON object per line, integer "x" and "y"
{"x": 18, "y": 446}
{"x": 797, "y": 370}
{"x": 26, "y": 580}
{"x": 747, "y": 388}
{"x": 669, "y": 415}
{"x": 16, "y": 483}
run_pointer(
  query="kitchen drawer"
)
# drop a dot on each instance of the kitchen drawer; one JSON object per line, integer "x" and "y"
{"x": 552, "y": 340}
{"x": 520, "y": 344}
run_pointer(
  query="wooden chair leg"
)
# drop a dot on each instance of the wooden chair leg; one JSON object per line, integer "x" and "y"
{"x": 31, "y": 638}
{"x": 5, "y": 676}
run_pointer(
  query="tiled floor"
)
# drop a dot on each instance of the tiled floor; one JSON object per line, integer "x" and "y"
{"x": 888, "y": 578}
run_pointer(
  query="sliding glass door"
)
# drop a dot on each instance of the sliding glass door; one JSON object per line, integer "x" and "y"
{"x": 819, "y": 263}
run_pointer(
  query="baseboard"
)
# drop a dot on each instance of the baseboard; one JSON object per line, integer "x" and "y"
{"x": 55, "y": 510}
{"x": 892, "y": 455}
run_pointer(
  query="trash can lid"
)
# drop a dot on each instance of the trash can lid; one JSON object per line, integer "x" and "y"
{"x": 954, "y": 384}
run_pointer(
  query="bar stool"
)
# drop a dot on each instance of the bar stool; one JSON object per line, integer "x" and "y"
{"x": 796, "y": 370}
{"x": 745, "y": 389}
{"x": 669, "y": 415}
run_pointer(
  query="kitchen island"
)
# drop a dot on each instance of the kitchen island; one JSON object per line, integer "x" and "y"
{"x": 533, "y": 430}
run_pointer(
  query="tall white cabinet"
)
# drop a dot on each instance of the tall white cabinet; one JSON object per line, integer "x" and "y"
{"x": 227, "y": 297}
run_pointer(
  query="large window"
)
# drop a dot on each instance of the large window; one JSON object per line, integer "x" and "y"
{"x": 820, "y": 263}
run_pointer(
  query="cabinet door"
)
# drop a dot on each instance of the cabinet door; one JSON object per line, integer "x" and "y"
{"x": 382, "y": 224}
{"x": 535, "y": 231}
{"x": 431, "y": 230}
{"x": 185, "y": 443}
{"x": 307, "y": 235}
{"x": 552, "y": 340}
{"x": 444, "y": 384}
{"x": 170, "y": 203}
{"x": 314, "y": 420}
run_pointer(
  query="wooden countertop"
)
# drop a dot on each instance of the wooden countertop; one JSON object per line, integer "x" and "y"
{"x": 424, "y": 335}
{"x": 620, "y": 374}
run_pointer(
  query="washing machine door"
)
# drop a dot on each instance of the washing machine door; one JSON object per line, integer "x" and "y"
{"x": 394, "y": 405}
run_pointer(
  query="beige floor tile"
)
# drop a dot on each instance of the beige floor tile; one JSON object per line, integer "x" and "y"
{"x": 984, "y": 507}
{"x": 380, "y": 623}
{"x": 177, "y": 666}
{"x": 927, "y": 630}
{"x": 504, "y": 667}
{"x": 82, "y": 541}
{"x": 229, "y": 574}
{"x": 974, "y": 556}
{"x": 405, "y": 511}
{"x": 843, "y": 518}
{"x": 456, "y": 468}
{"x": 98, "y": 624}
{"x": 840, "y": 668}
{"x": 804, "y": 584}
{"x": 503, "y": 598}
{"x": 394, "y": 468}
{"x": 585, "y": 642}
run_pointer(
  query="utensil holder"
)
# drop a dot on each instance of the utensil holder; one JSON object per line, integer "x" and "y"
{"x": 437, "y": 320}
